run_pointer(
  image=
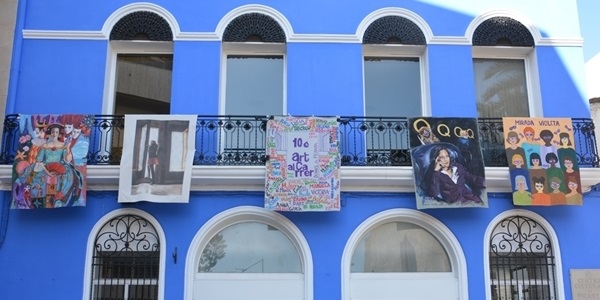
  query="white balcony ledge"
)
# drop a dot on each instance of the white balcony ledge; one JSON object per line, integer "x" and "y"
{"x": 252, "y": 178}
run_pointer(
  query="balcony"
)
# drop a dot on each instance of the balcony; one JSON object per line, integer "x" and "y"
{"x": 230, "y": 152}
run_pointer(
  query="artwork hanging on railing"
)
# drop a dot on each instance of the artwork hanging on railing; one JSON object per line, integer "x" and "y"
{"x": 447, "y": 163}
{"x": 303, "y": 165}
{"x": 158, "y": 152}
{"x": 542, "y": 161}
{"x": 49, "y": 170}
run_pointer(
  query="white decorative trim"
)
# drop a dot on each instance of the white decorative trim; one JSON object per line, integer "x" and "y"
{"x": 561, "y": 42}
{"x": 325, "y": 38}
{"x": 252, "y": 178}
{"x": 394, "y": 11}
{"x": 292, "y": 38}
{"x": 535, "y": 32}
{"x": 254, "y": 8}
{"x": 139, "y": 6}
{"x": 429, "y": 223}
{"x": 553, "y": 239}
{"x": 63, "y": 35}
{"x": 90, "y": 247}
{"x": 247, "y": 214}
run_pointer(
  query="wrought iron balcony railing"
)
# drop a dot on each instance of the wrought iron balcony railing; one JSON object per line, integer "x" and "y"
{"x": 240, "y": 141}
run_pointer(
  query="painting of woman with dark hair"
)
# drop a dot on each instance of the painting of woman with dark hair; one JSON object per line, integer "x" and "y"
{"x": 447, "y": 180}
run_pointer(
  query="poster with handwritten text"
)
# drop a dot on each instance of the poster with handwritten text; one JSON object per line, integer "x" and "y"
{"x": 542, "y": 161}
{"x": 303, "y": 166}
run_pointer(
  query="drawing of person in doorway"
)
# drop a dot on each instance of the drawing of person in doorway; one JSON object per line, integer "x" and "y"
{"x": 153, "y": 161}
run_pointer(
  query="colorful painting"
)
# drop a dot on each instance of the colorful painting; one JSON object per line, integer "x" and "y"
{"x": 50, "y": 164}
{"x": 158, "y": 154}
{"x": 447, "y": 163}
{"x": 303, "y": 169}
{"x": 542, "y": 161}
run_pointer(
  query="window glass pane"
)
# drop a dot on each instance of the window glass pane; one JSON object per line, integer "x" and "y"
{"x": 250, "y": 247}
{"x": 501, "y": 88}
{"x": 254, "y": 85}
{"x": 392, "y": 87}
{"x": 399, "y": 247}
{"x": 143, "y": 84}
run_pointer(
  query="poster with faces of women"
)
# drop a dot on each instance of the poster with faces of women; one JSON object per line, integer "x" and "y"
{"x": 542, "y": 161}
{"x": 447, "y": 163}
{"x": 50, "y": 164}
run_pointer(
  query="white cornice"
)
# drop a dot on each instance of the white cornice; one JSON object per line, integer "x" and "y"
{"x": 252, "y": 178}
{"x": 293, "y": 38}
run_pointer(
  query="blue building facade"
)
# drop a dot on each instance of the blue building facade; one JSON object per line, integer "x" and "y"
{"x": 315, "y": 58}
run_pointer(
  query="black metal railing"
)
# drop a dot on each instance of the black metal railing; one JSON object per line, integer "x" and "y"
{"x": 240, "y": 141}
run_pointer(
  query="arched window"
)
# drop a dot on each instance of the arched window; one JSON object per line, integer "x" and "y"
{"x": 254, "y": 46}
{"x": 395, "y": 80}
{"x": 125, "y": 257}
{"x": 249, "y": 253}
{"x": 139, "y": 68}
{"x": 405, "y": 252}
{"x": 393, "y": 50}
{"x": 505, "y": 68}
{"x": 523, "y": 258}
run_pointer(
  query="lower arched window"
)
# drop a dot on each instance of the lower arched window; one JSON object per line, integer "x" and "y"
{"x": 125, "y": 257}
{"x": 403, "y": 252}
{"x": 522, "y": 256}
{"x": 248, "y": 253}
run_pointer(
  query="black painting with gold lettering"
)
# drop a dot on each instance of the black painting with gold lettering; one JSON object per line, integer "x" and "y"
{"x": 447, "y": 163}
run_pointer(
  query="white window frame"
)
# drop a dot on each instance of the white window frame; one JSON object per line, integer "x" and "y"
{"x": 552, "y": 237}
{"x": 126, "y": 47}
{"x": 87, "y": 282}
{"x": 244, "y": 214}
{"x": 250, "y": 49}
{"x": 401, "y": 51}
{"x": 528, "y": 55}
{"x": 427, "y": 222}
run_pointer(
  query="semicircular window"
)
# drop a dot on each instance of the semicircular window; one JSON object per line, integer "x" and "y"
{"x": 399, "y": 247}
{"x": 250, "y": 247}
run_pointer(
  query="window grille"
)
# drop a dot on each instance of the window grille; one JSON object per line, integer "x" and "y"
{"x": 522, "y": 262}
{"x": 125, "y": 263}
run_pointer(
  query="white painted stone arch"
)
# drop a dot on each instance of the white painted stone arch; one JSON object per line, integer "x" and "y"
{"x": 243, "y": 214}
{"x": 254, "y": 8}
{"x": 535, "y": 32}
{"x": 434, "y": 226}
{"x": 96, "y": 229}
{"x": 140, "y": 6}
{"x": 394, "y": 11}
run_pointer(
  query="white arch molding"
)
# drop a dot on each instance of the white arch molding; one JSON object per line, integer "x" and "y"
{"x": 96, "y": 229}
{"x": 429, "y": 223}
{"x": 243, "y": 214}
{"x": 254, "y": 8}
{"x": 394, "y": 11}
{"x": 535, "y": 32}
{"x": 135, "y": 7}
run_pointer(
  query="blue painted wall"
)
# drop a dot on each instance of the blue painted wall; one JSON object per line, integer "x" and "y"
{"x": 44, "y": 251}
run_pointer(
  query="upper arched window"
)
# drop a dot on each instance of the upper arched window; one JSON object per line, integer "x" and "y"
{"x": 395, "y": 82}
{"x": 139, "y": 69}
{"x": 254, "y": 64}
{"x": 505, "y": 69}
{"x": 522, "y": 260}
{"x": 393, "y": 48}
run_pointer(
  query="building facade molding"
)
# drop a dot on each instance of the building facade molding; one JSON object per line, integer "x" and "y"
{"x": 252, "y": 178}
